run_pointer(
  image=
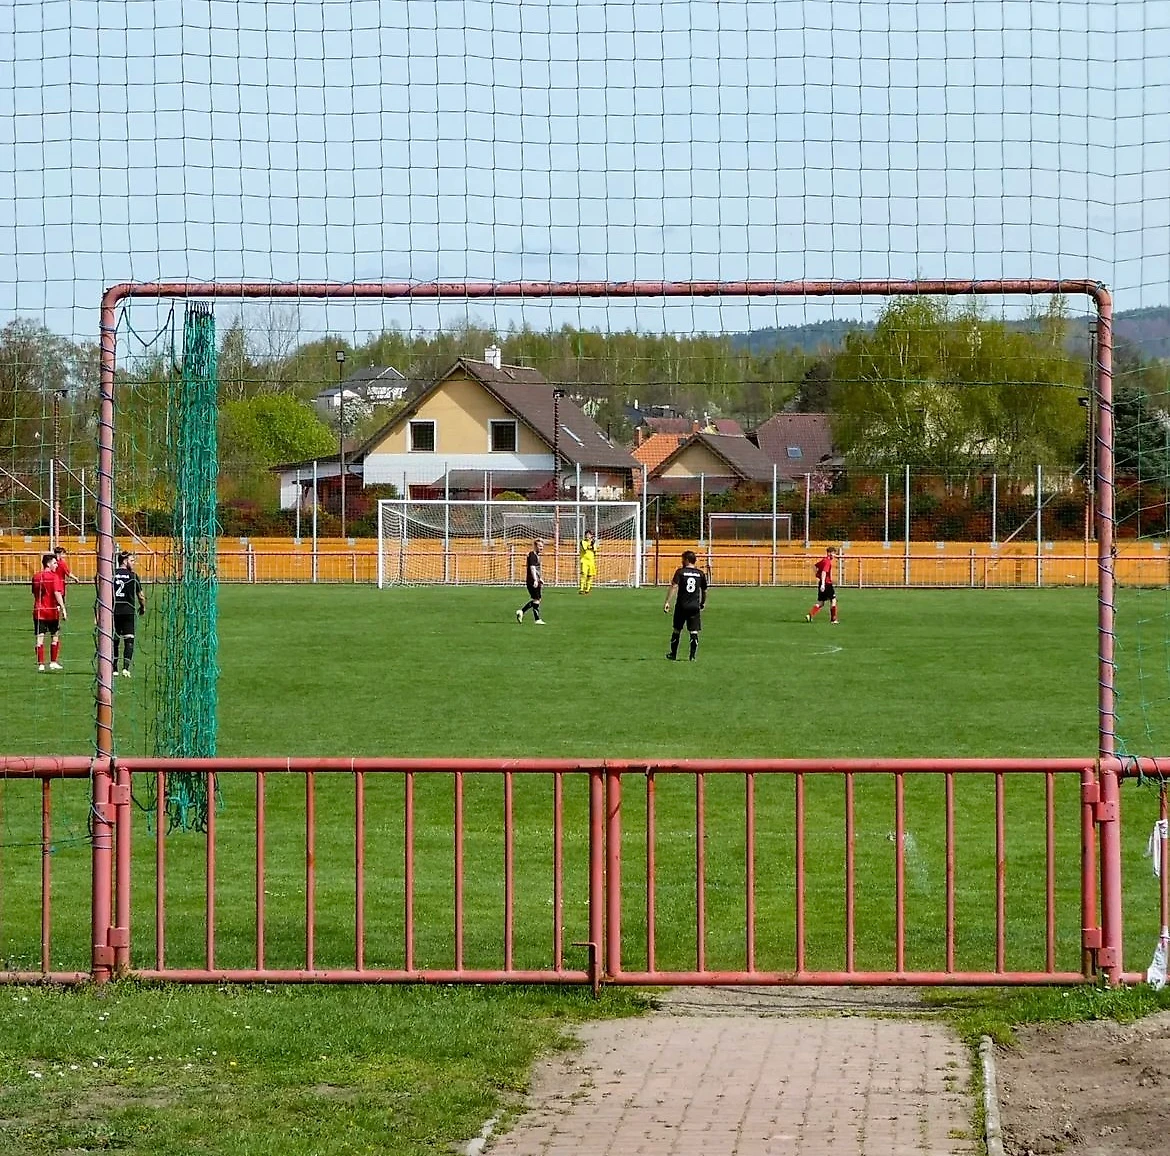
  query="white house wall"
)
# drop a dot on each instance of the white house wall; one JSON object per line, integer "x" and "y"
{"x": 424, "y": 469}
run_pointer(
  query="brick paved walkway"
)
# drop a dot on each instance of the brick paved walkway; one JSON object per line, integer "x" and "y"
{"x": 742, "y": 1085}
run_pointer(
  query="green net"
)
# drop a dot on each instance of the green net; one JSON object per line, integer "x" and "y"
{"x": 186, "y": 678}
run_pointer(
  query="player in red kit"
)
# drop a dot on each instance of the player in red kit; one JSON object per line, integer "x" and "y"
{"x": 826, "y": 592}
{"x": 48, "y": 611}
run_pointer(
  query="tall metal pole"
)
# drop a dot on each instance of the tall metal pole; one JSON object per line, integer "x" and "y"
{"x": 298, "y": 504}
{"x": 886, "y": 505}
{"x": 340, "y": 356}
{"x": 994, "y": 508}
{"x": 807, "y": 505}
{"x": 1039, "y": 529}
{"x": 54, "y": 475}
{"x": 1112, "y": 928}
{"x": 775, "y": 489}
{"x": 315, "y": 493}
{"x": 906, "y": 532}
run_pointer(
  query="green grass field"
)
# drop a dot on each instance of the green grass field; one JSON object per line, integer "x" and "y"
{"x": 348, "y": 671}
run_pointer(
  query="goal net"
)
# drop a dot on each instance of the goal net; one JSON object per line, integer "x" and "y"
{"x": 468, "y": 543}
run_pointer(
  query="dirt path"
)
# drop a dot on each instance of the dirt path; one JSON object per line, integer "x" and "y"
{"x": 1087, "y": 1089}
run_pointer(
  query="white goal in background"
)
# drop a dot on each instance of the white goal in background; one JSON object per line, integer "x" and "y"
{"x": 469, "y": 543}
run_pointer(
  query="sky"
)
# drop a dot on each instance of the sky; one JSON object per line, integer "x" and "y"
{"x": 563, "y": 139}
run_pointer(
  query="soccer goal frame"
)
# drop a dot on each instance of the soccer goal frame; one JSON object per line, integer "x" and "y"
{"x": 457, "y": 542}
{"x": 1096, "y": 292}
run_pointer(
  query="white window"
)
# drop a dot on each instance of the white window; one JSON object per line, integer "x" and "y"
{"x": 795, "y": 453}
{"x": 422, "y": 437}
{"x": 502, "y": 436}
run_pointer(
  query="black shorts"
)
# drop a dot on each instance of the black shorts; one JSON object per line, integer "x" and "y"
{"x": 828, "y": 594}
{"x": 124, "y": 621}
{"x": 534, "y": 592}
{"x": 689, "y": 617}
{"x": 46, "y": 625}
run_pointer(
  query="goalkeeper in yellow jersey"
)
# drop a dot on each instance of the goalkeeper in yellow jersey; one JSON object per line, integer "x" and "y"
{"x": 588, "y": 562}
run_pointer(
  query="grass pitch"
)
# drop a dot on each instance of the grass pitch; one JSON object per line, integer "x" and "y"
{"x": 348, "y": 671}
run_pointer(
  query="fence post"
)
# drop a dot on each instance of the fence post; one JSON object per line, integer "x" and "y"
{"x": 315, "y": 519}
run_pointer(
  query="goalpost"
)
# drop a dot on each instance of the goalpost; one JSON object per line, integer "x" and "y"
{"x": 485, "y": 543}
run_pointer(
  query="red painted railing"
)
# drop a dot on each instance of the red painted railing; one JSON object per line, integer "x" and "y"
{"x": 640, "y": 871}
{"x": 557, "y": 871}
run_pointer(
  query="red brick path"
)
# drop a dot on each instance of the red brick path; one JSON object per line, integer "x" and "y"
{"x": 742, "y": 1085}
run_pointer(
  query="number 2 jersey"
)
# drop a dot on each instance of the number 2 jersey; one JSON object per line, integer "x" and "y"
{"x": 692, "y": 588}
{"x": 127, "y": 587}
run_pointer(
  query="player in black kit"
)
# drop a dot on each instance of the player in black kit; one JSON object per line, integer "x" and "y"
{"x": 128, "y": 597}
{"x": 691, "y": 584}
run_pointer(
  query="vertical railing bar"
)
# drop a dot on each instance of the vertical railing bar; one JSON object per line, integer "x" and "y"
{"x": 310, "y": 869}
{"x": 700, "y": 872}
{"x": 1089, "y": 922}
{"x": 509, "y": 865}
{"x": 408, "y": 871}
{"x": 261, "y": 857}
{"x": 558, "y": 870}
{"x": 458, "y": 870}
{"x": 799, "y": 793}
{"x": 160, "y": 868}
{"x": 1000, "y": 873}
{"x": 651, "y": 869}
{"x": 899, "y": 873}
{"x": 613, "y": 872}
{"x": 1050, "y": 871}
{"x": 596, "y": 873}
{"x": 46, "y": 871}
{"x": 1164, "y": 831}
{"x": 949, "y": 779}
{"x": 359, "y": 870}
{"x": 850, "y": 873}
{"x": 209, "y": 881}
{"x": 123, "y": 869}
{"x": 750, "y": 859}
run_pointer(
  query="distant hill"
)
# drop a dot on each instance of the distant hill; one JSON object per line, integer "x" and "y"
{"x": 1148, "y": 330}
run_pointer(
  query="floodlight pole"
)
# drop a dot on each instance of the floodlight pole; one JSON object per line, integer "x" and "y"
{"x": 340, "y": 356}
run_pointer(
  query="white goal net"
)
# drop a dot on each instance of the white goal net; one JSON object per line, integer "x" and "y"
{"x": 469, "y": 543}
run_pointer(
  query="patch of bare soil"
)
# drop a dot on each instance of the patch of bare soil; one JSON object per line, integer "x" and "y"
{"x": 1087, "y": 1089}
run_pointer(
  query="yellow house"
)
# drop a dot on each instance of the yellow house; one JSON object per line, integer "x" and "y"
{"x": 484, "y": 427}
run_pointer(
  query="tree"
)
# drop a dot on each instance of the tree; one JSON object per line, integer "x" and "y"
{"x": 270, "y": 428}
{"x": 941, "y": 388}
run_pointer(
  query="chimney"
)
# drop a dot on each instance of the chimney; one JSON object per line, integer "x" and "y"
{"x": 492, "y": 356}
{"x": 637, "y": 437}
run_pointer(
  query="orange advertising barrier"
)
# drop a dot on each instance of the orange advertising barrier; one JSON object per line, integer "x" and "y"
{"x": 468, "y": 562}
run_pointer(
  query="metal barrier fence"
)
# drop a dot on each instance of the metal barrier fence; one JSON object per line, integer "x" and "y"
{"x": 880, "y": 871}
{"x": 928, "y": 564}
